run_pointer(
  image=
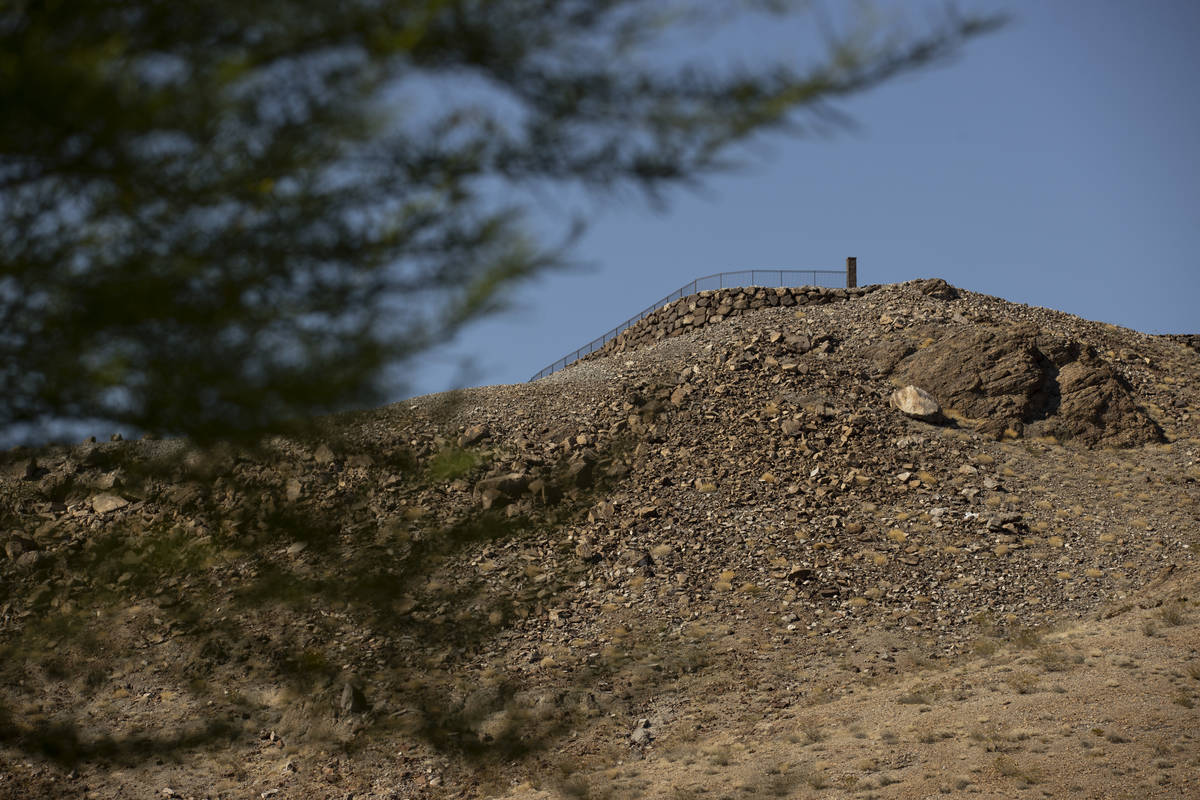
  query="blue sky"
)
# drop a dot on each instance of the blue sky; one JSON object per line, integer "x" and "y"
{"x": 1054, "y": 163}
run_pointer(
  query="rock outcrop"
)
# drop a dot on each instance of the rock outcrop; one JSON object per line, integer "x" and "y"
{"x": 1006, "y": 380}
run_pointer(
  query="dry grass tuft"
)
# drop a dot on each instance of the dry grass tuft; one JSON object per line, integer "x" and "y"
{"x": 1009, "y": 768}
{"x": 1172, "y": 614}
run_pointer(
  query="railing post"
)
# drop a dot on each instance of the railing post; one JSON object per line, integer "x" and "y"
{"x": 851, "y": 272}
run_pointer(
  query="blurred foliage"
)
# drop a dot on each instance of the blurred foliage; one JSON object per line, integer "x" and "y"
{"x": 221, "y": 218}
{"x": 451, "y": 463}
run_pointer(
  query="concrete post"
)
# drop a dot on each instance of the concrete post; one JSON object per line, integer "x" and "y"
{"x": 851, "y": 272}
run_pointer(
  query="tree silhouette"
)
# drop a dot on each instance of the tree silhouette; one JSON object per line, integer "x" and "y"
{"x": 220, "y": 218}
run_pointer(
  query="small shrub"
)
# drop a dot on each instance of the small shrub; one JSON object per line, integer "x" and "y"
{"x": 1009, "y": 768}
{"x": 778, "y": 784}
{"x": 1053, "y": 659}
{"x": 812, "y": 732}
{"x": 451, "y": 463}
{"x": 922, "y": 697}
{"x": 985, "y": 646}
{"x": 576, "y": 787}
{"x": 1023, "y": 682}
{"x": 1006, "y": 766}
{"x": 720, "y": 756}
{"x": 1172, "y": 614}
{"x": 816, "y": 780}
{"x": 820, "y": 696}
{"x": 1027, "y": 637}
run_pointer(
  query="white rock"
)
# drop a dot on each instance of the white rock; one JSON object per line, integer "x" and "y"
{"x": 915, "y": 402}
{"x": 103, "y": 503}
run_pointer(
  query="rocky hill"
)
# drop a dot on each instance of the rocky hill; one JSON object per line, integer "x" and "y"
{"x": 717, "y": 559}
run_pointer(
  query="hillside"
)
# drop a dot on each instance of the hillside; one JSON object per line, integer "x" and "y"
{"x": 712, "y": 561}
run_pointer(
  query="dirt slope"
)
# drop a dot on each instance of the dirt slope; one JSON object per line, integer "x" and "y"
{"x": 721, "y": 565}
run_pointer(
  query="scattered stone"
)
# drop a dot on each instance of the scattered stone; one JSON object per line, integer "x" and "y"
{"x": 17, "y": 544}
{"x": 473, "y": 435}
{"x": 791, "y": 427}
{"x": 352, "y": 700}
{"x": 581, "y": 471}
{"x": 1013, "y": 523}
{"x": 801, "y": 575}
{"x": 28, "y": 560}
{"x": 104, "y": 503}
{"x": 604, "y": 510}
{"x": 509, "y": 485}
{"x": 641, "y": 735}
{"x": 492, "y": 498}
{"x": 109, "y": 480}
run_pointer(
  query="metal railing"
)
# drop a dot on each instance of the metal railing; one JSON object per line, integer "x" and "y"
{"x": 762, "y": 278}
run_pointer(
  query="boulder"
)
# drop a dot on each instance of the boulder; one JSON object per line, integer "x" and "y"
{"x": 937, "y": 288}
{"x": 916, "y": 403}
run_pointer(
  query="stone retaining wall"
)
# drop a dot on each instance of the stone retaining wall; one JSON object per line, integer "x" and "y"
{"x": 716, "y": 305}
